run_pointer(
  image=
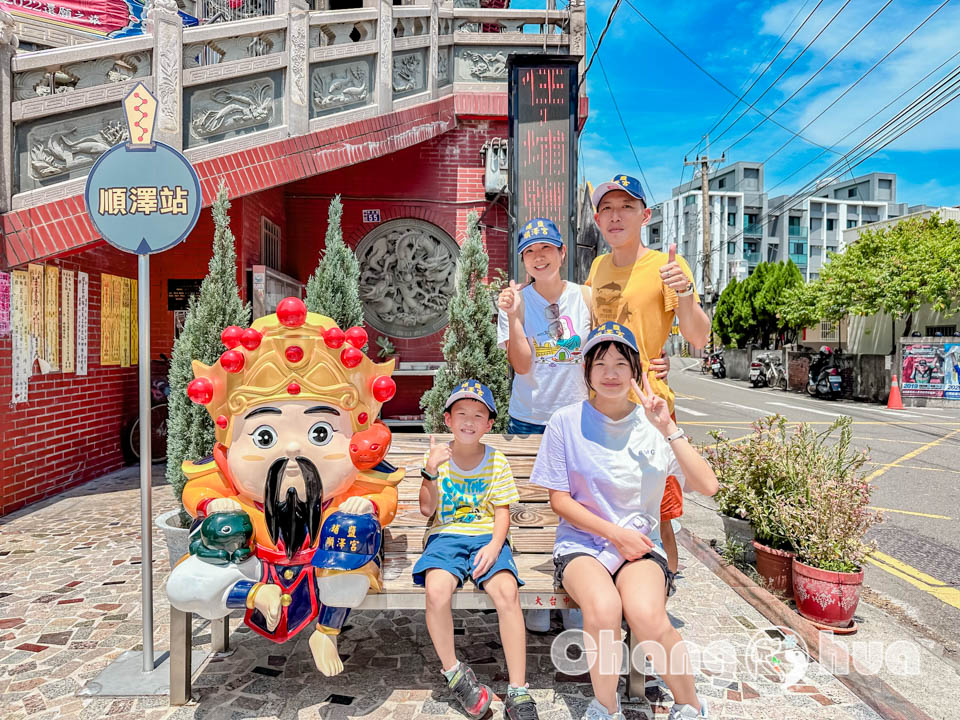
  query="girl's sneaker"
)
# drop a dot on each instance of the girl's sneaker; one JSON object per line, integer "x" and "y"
{"x": 597, "y": 711}
{"x": 474, "y": 697}
{"x": 687, "y": 712}
{"x": 519, "y": 705}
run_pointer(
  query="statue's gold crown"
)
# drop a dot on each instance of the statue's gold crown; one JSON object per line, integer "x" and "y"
{"x": 291, "y": 355}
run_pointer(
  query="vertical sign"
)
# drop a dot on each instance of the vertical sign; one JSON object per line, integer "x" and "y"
{"x": 36, "y": 305}
{"x": 124, "y": 322}
{"x": 20, "y": 325}
{"x": 543, "y": 94}
{"x": 51, "y": 318}
{"x": 83, "y": 290}
{"x": 67, "y": 321}
{"x": 4, "y": 304}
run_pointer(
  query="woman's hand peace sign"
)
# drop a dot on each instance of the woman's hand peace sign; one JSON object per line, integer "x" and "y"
{"x": 655, "y": 407}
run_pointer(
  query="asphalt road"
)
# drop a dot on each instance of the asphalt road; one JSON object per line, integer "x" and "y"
{"x": 914, "y": 468}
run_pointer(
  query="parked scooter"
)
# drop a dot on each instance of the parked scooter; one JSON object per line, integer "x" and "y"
{"x": 824, "y": 379}
{"x": 717, "y": 367}
{"x": 767, "y": 371}
{"x": 758, "y": 376}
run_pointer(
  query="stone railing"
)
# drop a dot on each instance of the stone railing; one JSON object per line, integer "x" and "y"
{"x": 230, "y": 86}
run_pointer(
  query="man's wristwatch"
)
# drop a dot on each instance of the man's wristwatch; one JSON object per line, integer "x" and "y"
{"x": 687, "y": 291}
{"x": 427, "y": 476}
{"x": 676, "y": 436}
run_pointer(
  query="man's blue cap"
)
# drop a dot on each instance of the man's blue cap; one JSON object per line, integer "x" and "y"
{"x": 472, "y": 390}
{"x": 348, "y": 541}
{"x": 610, "y": 331}
{"x": 539, "y": 230}
{"x": 620, "y": 182}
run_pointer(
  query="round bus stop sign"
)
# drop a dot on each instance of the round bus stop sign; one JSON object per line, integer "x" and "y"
{"x": 143, "y": 196}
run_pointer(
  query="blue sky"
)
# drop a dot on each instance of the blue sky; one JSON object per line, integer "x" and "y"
{"x": 668, "y": 104}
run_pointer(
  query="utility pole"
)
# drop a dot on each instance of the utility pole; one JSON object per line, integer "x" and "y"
{"x": 704, "y": 162}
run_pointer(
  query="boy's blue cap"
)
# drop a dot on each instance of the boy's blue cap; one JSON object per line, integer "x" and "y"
{"x": 539, "y": 230}
{"x": 610, "y": 331}
{"x": 472, "y": 390}
{"x": 620, "y": 182}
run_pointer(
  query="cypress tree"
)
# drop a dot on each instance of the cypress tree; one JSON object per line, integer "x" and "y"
{"x": 333, "y": 289}
{"x": 470, "y": 341}
{"x": 190, "y": 430}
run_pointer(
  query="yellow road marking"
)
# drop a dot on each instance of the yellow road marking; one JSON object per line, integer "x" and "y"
{"x": 930, "y": 585}
{"x": 689, "y": 397}
{"x": 910, "y": 455}
{"x": 925, "y": 468}
{"x": 890, "y": 440}
{"x": 908, "y": 512}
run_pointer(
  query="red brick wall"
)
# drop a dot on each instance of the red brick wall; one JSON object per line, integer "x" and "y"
{"x": 69, "y": 431}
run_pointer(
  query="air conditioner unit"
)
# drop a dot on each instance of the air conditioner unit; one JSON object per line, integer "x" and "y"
{"x": 496, "y": 166}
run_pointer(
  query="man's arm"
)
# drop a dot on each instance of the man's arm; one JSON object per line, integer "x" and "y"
{"x": 694, "y": 323}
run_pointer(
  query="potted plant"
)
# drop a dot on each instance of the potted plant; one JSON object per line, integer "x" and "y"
{"x": 827, "y": 522}
{"x": 759, "y": 472}
{"x": 732, "y": 497}
{"x": 387, "y": 349}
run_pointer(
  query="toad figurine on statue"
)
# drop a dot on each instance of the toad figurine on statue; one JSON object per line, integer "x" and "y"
{"x": 297, "y": 475}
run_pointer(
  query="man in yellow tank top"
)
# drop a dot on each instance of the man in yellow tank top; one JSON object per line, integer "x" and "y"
{"x": 644, "y": 289}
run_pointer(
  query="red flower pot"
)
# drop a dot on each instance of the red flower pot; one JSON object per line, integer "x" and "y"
{"x": 775, "y": 567}
{"x": 824, "y": 596}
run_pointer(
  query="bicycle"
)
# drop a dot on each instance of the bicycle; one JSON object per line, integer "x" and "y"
{"x": 159, "y": 391}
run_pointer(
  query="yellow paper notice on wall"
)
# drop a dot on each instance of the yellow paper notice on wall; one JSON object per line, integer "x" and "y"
{"x": 107, "y": 327}
{"x": 124, "y": 322}
{"x": 36, "y": 308}
{"x": 67, "y": 321}
{"x": 51, "y": 317}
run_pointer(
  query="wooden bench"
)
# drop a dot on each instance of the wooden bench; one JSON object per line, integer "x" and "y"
{"x": 533, "y": 526}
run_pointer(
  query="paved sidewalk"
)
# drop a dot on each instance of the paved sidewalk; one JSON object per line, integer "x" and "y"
{"x": 70, "y": 604}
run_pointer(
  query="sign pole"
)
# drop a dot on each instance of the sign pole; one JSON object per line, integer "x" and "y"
{"x": 146, "y": 460}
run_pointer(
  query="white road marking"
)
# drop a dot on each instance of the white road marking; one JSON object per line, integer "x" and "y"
{"x": 745, "y": 407}
{"x": 678, "y": 408}
{"x": 805, "y": 409}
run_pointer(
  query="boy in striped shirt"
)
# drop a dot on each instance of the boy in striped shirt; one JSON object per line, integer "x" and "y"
{"x": 468, "y": 487}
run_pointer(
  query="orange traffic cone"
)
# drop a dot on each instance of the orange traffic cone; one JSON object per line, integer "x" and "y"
{"x": 894, "y": 402}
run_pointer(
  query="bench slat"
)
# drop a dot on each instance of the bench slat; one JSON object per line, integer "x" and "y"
{"x": 409, "y": 491}
{"x": 521, "y": 515}
{"x": 525, "y": 540}
{"x": 520, "y": 465}
{"x": 535, "y": 570}
{"x": 416, "y": 444}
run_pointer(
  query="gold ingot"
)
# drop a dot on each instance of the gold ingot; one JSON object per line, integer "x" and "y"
{"x": 285, "y": 599}
{"x": 288, "y": 574}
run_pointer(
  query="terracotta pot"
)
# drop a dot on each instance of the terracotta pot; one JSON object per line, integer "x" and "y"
{"x": 741, "y": 532}
{"x": 775, "y": 567}
{"x": 824, "y": 596}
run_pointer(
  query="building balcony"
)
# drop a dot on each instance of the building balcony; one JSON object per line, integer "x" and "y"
{"x": 795, "y": 231}
{"x": 799, "y": 259}
{"x": 753, "y": 229}
{"x": 752, "y": 258}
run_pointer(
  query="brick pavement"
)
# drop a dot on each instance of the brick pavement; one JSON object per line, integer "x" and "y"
{"x": 70, "y": 604}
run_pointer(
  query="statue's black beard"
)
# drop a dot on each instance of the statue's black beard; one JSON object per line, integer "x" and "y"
{"x": 289, "y": 518}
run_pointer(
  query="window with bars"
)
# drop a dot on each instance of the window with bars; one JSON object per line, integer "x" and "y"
{"x": 828, "y": 331}
{"x": 945, "y": 330}
{"x": 270, "y": 244}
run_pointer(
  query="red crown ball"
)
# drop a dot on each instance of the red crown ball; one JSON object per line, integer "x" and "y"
{"x": 357, "y": 336}
{"x": 384, "y": 388}
{"x": 251, "y": 339}
{"x": 222, "y": 422}
{"x": 294, "y": 354}
{"x": 200, "y": 390}
{"x": 230, "y": 336}
{"x": 351, "y": 357}
{"x": 333, "y": 337}
{"x": 232, "y": 361}
{"x": 291, "y": 312}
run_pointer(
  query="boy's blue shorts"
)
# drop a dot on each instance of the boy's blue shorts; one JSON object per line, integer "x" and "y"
{"x": 455, "y": 553}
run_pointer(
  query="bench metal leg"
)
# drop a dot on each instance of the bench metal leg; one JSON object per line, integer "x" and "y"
{"x": 220, "y": 630}
{"x": 637, "y": 680}
{"x": 181, "y": 656}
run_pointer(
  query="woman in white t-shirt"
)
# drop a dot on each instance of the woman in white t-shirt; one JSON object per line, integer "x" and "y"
{"x": 605, "y": 462}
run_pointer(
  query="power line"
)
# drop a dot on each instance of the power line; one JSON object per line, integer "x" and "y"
{"x": 596, "y": 45}
{"x": 616, "y": 107}
{"x": 863, "y": 77}
{"x": 713, "y": 77}
{"x": 769, "y": 64}
{"x": 811, "y": 78}
{"x": 753, "y": 105}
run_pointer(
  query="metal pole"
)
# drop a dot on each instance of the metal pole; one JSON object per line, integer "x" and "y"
{"x": 146, "y": 460}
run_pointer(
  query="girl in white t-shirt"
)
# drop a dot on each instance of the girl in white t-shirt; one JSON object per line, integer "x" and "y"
{"x": 605, "y": 462}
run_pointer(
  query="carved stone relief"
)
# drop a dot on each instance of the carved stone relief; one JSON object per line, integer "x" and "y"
{"x": 44, "y": 82}
{"x": 222, "y": 50}
{"x": 408, "y": 73}
{"x": 480, "y": 64}
{"x": 407, "y": 275}
{"x": 65, "y": 146}
{"x": 443, "y": 66}
{"x": 168, "y": 72}
{"x": 340, "y": 85}
{"x": 298, "y": 59}
{"x": 245, "y": 105}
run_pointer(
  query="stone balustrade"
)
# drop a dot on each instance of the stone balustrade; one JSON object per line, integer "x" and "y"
{"x": 229, "y": 86}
